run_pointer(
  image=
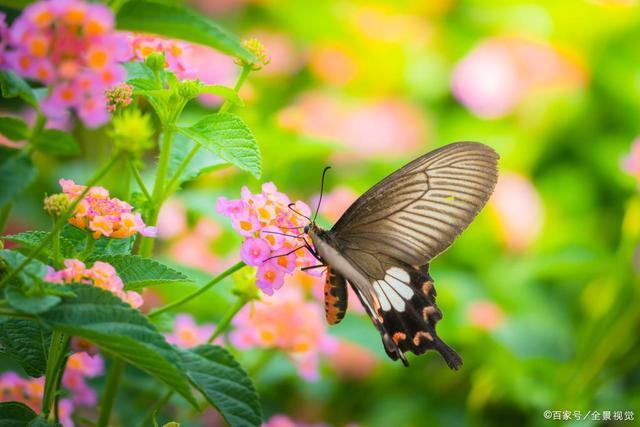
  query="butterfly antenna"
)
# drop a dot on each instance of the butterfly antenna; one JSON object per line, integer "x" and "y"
{"x": 281, "y": 234}
{"x": 304, "y": 216}
{"x": 324, "y": 172}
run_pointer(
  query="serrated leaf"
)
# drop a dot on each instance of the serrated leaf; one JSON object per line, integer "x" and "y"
{"x": 226, "y": 386}
{"x": 137, "y": 272}
{"x": 34, "y": 271}
{"x": 106, "y": 321}
{"x": 57, "y": 142}
{"x": 176, "y": 21}
{"x": 15, "y": 414}
{"x": 13, "y": 85}
{"x": 140, "y": 76}
{"x": 27, "y": 342}
{"x": 228, "y": 137}
{"x": 16, "y": 173}
{"x": 13, "y": 128}
{"x": 25, "y": 300}
{"x": 204, "y": 161}
{"x": 31, "y": 239}
{"x": 102, "y": 247}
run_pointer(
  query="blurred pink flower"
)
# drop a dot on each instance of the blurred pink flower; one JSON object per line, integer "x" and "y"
{"x": 519, "y": 210}
{"x": 186, "y": 333}
{"x": 631, "y": 163}
{"x": 194, "y": 247}
{"x": 335, "y": 202}
{"x": 174, "y": 51}
{"x": 79, "y": 367}
{"x": 4, "y": 37}
{"x": 256, "y": 217}
{"x": 352, "y": 360}
{"x": 101, "y": 274}
{"x": 172, "y": 219}
{"x": 287, "y": 322}
{"x": 496, "y": 75}
{"x": 211, "y": 67}
{"x": 400, "y": 126}
{"x": 281, "y": 420}
{"x": 333, "y": 63}
{"x": 485, "y": 315}
{"x": 104, "y": 216}
{"x": 70, "y": 46}
{"x": 30, "y": 392}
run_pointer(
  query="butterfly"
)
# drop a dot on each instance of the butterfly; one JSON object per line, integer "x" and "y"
{"x": 383, "y": 243}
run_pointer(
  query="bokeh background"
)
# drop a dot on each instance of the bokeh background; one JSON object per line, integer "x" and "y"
{"x": 540, "y": 295}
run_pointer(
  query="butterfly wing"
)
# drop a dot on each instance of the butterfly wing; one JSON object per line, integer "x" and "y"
{"x": 416, "y": 212}
{"x": 393, "y": 230}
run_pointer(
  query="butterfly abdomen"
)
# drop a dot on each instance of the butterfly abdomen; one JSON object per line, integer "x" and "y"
{"x": 335, "y": 297}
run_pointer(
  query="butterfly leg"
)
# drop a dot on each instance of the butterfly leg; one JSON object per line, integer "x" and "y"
{"x": 311, "y": 267}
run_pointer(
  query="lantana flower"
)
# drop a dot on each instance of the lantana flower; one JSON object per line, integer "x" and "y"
{"x": 30, "y": 392}
{"x": 101, "y": 274}
{"x": 271, "y": 239}
{"x": 70, "y": 46}
{"x": 104, "y": 216}
{"x": 287, "y": 322}
{"x": 174, "y": 52}
{"x": 81, "y": 366}
{"x": 187, "y": 333}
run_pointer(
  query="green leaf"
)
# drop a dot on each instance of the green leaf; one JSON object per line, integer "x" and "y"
{"x": 27, "y": 342}
{"x": 40, "y": 421}
{"x": 31, "y": 239}
{"x": 106, "y": 321}
{"x": 228, "y": 137}
{"x": 34, "y": 271}
{"x": 102, "y": 247}
{"x": 28, "y": 301}
{"x": 176, "y": 21}
{"x": 13, "y": 128}
{"x": 15, "y": 414}
{"x": 16, "y": 173}
{"x": 223, "y": 91}
{"x": 204, "y": 161}
{"x": 137, "y": 272}
{"x": 13, "y": 85}
{"x": 218, "y": 376}
{"x": 141, "y": 77}
{"x": 57, "y": 142}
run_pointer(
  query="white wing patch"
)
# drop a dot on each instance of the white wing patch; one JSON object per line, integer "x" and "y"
{"x": 393, "y": 290}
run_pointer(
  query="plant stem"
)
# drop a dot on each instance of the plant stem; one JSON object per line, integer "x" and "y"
{"x": 225, "y": 107}
{"x": 228, "y": 317}
{"x": 113, "y": 380}
{"x": 198, "y": 291}
{"x": 139, "y": 180}
{"x": 146, "y": 243}
{"x": 4, "y": 215}
{"x": 17, "y": 314}
{"x": 62, "y": 219}
{"x": 55, "y": 243}
{"x": 56, "y": 400}
{"x": 151, "y": 414}
{"x": 55, "y": 359}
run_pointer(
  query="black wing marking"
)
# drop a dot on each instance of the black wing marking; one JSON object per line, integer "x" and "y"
{"x": 416, "y": 212}
{"x": 401, "y": 304}
{"x": 335, "y": 297}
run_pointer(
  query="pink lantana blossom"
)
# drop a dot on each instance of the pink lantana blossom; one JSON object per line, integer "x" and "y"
{"x": 273, "y": 233}
{"x": 287, "y": 322}
{"x": 70, "y": 46}
{"x": 81, "y": 366}
{"x": 144, "y": 45}
{"x": 187, "y": 333}
{"x": 104, "y": 216}
{"x": 30, "y": 392}
{"x": 101, "y": 274}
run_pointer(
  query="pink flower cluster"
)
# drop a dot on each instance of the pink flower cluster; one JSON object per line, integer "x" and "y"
{"x": 174, "y": 52}
{"x": 70, "y": 46}
{"x": 262, "y": 219}
{"x": 104, "y": 216}
{"x": 30, "y": 392}
{"x": 186, "y": 333}
{"x": 101, "y": 274}
{"x": 287, "y": 322}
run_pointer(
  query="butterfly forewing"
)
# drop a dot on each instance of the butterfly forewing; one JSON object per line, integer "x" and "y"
{"x": 416, "y": 212}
